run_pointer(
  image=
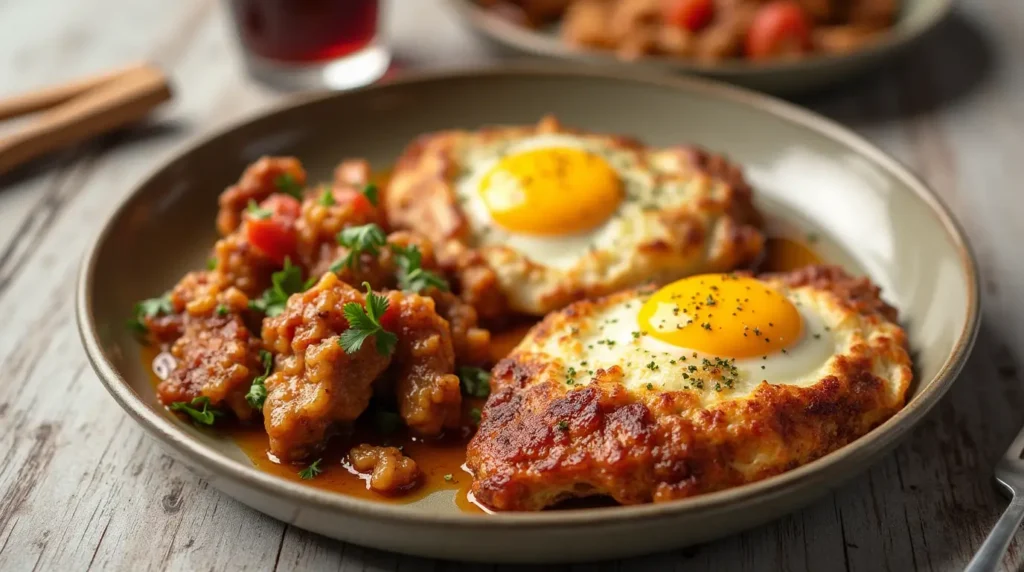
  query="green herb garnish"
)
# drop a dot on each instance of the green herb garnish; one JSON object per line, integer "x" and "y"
{"x": 475, "y": 382}
{"x": 368, "y": 239}
{"x": 411, "y": 276}
{"x": 364, "y": 321}
{"x": 284, "y": 283}
{"x": 326, "y": 197}
{"x": 150, "y": 308}
{"x": 287, "y": 184}
{"x": 256, "y": 212}
{"x": 371, "y": 194}
{"x": 312, "y": 471}
{"x": 211, "y": 263}
{"x": 258, "y": 390}
{"x": 198, "y": 409}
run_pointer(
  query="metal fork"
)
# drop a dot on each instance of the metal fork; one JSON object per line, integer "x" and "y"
{"x": 1010, "y": 475}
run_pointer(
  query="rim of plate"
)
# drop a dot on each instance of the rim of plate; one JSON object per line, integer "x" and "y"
{"x": 215, "y": 462}
{"x": 539, "y": 44}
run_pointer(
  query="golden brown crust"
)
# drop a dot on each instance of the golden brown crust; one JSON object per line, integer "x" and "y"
{"x": 315, "y": 384}
{"x": 390, "y": 472}
{"x": 257, "y": 183}
{"x": 216, "y": 355}
{"x": 714, "y": 229}
{"x": 542, "y": 440}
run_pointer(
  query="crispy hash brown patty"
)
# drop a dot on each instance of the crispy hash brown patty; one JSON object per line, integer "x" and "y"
{"x": 670, "y": 212}
{"x": 550, "y": 432}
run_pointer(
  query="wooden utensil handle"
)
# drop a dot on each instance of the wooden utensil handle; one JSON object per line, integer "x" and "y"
{"x": 50, "y": 96}
{"x": 126, "y": 98}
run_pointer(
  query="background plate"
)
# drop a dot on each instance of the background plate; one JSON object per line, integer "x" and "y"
{"x": 809, "y": 172}
{"x": 780, "y": 78}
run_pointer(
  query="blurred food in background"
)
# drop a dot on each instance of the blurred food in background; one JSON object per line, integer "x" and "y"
{"x": 708, "y": 30}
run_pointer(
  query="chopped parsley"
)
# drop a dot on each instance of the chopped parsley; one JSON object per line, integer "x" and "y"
{"x": 287, "y": 184}
{"x": 449, "y": 478}
{"x": 284, "y": 283}
{"x": 370, "y": 192}
{"x": 256, "y": 212}
{"x": 211, "y": 263}
{"x": 411, "y": 276}
{"x": 475, "y": 382}
{"x": 257, "y": 390}
{"x": 474, "y": 414}
{"x": 326, "y": 197}
{"x": 222, "y": 310}
{"x": 368, "y": 239}
{"x": 150, "y": 308}
{"x": 198, "y": 409}
{"x": 312, "y": 471}
{"x": 364, "y": 321}
{"x": 562, "y": 425}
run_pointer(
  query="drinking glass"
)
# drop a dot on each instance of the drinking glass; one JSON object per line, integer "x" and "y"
{"x": 309, "y": 44}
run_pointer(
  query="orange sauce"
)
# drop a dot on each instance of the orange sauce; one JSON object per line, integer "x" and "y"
{"x": 782, "y": 254}
{"x": 439, "y": 460}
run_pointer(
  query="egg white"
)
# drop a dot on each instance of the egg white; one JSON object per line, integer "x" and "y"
{"x": 613, "y": 337}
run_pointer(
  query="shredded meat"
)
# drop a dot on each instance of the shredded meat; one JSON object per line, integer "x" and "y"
{"x": 217, "y": 356}
{"x": 258, "y": 182}
{"x": 316, "y": 385}
{"x": 390, "y": 471}
{"x": 429, "y": 398}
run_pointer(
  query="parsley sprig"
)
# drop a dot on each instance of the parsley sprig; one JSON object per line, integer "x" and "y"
{"x": 256, "y": 212}
{"x": 284, "y": 283}
{"x": 198, "y": 409}
{"x": 411, "y": 276}
{"x": 149, "y": 308}
{"x": 312, "y": 471}
{"x": 287, "y": 184}
{"x": 326, "y": 197}
{"x": 258, "y": 390}
{"x": 475, "y": 382}
{"x": 364, "y": 322}
{"x": 368, "y": 239}
{"x": 371, "y": 193}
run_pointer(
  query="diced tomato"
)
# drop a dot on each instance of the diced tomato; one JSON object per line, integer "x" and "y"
{"x": 361, "y": 205}
{"x": 389, "y": 321}
{"x": 275, "y": 235}
{"x": 284, "y": 206}
{"x": 779, "y": 28}
{"x": 689, "y": 15}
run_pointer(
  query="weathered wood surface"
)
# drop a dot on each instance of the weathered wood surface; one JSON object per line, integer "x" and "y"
{"x": 82, "y": 487}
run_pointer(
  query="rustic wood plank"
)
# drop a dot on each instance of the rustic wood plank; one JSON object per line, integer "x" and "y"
{"x": 83, "y": 487}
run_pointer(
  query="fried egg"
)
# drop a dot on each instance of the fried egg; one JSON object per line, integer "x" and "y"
{"x": 718, "y": 335}
{"x": 708, "y": 382}
{"x": 556, "y": 215}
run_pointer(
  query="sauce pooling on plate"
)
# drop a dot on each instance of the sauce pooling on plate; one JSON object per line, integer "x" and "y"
{"x": 440, "y": 460}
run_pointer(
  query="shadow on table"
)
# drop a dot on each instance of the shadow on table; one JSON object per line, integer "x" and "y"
{"x": 946, "y": 65}
{"x": 66, "y": 158}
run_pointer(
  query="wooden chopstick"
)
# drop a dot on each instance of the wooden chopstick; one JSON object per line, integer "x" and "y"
{"x": 80, "y": 110}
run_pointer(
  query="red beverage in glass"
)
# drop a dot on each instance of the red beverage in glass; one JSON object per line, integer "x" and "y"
{"x": 305, "y": 30}
{"x": 284, "y": 39}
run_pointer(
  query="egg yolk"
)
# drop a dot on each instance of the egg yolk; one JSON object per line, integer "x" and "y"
{"x": 722, "y": 315}
{"x": 551, "y": 191}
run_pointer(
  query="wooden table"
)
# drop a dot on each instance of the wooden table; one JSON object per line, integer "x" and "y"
{"x": 82, "y": 487}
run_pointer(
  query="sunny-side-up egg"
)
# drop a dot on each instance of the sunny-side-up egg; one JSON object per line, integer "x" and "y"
{"x": 705, "y": 383}
{"x": 560, "y": 215}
